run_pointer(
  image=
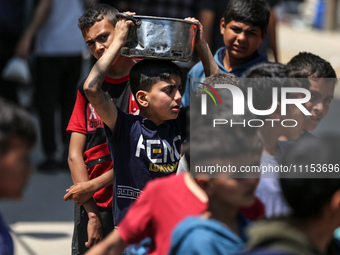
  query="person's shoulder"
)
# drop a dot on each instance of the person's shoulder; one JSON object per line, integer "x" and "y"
{"x": 188, "y": 236}
{"x": 195, "y": 226}
{"x": 189, "y": 223}
{"x": 257, "y": 59}
{"x": 125, "y": 123}
{"x": 196, "y": 69}
{"x": 189, "y": 231}
{"x": 128, "y": 116}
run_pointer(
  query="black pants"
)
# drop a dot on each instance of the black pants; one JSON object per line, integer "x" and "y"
{"x": 56, "y": 81}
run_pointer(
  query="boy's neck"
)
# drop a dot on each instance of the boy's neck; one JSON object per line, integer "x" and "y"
{"x": 224, "y": 214}
{"x": 230, "y": 63}
{"x": 121, "y": 67}
{"x": 146, "y": 115}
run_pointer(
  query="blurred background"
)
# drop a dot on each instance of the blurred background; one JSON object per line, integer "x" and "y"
{"x": 42, "y": 223}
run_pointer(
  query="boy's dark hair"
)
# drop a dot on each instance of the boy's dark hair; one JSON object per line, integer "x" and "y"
{"x": 221, "y": 78}
{"x": 221, "y": 141}
{"x": 97, "y": 13}
{"x": 262, "y": 78}
{"x": 308, "y": 196}
{"x": 266, "y": 70}
{"x": 306, "y": 64}
{"x": 15, "y": 123}
{"x": 146, "y": 73}
{"x": 255, "y": 12}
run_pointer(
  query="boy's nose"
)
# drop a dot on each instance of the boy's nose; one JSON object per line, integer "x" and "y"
{"x": 99, "y": 47}
{"x": 318, "y": 107}
{"x": 241, "y": 36}
{"x": 178, "y": 95}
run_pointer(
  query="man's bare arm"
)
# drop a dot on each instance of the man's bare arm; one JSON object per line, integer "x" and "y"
{"x": 79, "y": 174}
{"x": 83, "y": 191}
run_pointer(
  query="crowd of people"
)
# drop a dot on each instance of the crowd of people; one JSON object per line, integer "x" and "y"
{"x": 134, "y": 143}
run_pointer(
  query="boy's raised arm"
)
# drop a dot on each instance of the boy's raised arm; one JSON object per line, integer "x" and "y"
{"x": 101, "y": 102}
{"x": 204, "y": 53}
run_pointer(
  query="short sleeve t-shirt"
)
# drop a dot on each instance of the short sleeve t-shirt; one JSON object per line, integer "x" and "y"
{"x": 162, "y": 205}
{"x": 85, "y": 120}
{"x": 141, "y": 152}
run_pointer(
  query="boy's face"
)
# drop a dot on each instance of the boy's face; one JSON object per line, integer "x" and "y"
{"x": 235, "y": 192}
{"x": 164, "y": 100}
{"x": 322, "y": 95}
{"x": 15, "y": 169}
{"x": 99, "y": 37}
{"x": 240, "y": 38}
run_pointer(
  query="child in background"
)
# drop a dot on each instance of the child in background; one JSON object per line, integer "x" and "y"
{"x": 159, "y": 209}
{"x": 146, "y": 146}
{"x": 314, "y": 203}
{"x": 322, "y": 78}
{"x": 221, "y": 228}
{"x": 262, "y": 79}
{"x": 89, "y": 157}
{"x": 17, "y": 137}
{"x": 243, "y": 27}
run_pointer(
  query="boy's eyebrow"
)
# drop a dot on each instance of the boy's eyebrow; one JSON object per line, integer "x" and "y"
{"x": 99, "y": 35}
{"x": 253, "y": 29}
{"x": 250, "y": 29}
{"x": 172, "y": 84}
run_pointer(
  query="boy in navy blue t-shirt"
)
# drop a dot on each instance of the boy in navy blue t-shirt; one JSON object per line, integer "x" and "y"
{"x": 149, "y": 145}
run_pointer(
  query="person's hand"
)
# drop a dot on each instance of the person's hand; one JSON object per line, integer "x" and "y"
{"x": 130, "y": 13}
{"x": 94, "y": 230}
{"x": 80, "y": 192}
{"x": 122, "y": 29}
{"x": 199, "y": 35}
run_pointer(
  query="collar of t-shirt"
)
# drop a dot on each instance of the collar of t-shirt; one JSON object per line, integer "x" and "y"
{"x": 238, "y": 71}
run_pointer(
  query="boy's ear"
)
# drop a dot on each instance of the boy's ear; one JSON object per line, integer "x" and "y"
{"x": 142, "y": 98}
{"x": 222, "y": 26}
